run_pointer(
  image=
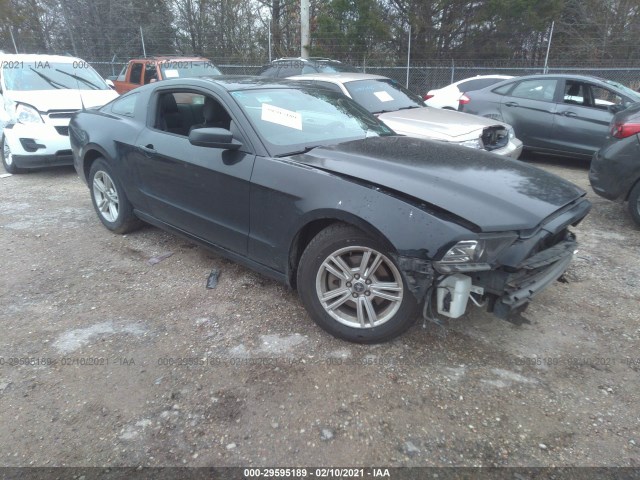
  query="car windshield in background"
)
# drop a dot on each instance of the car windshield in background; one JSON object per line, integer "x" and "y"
{"x": 291, "y": 121}
{"x": 181, "y": 69}
{"x": 635, "y": 96}
{"x": 333, "y": 68}
{"x": 384, "y": 95}
{"x": 53, "y": 76}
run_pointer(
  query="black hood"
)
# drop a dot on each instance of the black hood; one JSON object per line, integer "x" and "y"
{"x": 490, "y": 191}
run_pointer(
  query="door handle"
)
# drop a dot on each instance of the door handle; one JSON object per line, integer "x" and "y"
{"x": 511, "y": 104}
{"x": 567, "y": 114}
{"x": 147, "y": 149}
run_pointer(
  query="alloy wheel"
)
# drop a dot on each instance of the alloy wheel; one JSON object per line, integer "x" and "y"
{"x": 359, "y": 287}
{"x": 106, "y": 196}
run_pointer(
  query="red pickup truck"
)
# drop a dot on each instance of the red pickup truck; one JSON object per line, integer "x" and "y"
{"x": 141, "y": 71}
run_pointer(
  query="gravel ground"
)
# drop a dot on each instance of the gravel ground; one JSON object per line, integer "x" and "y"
{"x": 114, "y": 352}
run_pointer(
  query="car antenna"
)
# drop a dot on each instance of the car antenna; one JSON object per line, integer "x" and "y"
{"x": 80, "y": 94}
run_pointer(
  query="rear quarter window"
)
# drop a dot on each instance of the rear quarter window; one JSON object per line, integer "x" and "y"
{"x": 503, "y": 90}
{"x": 477, "y": 84}
{"x": 125, "y": 106}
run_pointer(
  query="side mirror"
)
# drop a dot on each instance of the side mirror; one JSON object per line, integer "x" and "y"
{"x": 109, "y": 82}
{"x": 213, "y": 138}
{"x": 616, "y": 108}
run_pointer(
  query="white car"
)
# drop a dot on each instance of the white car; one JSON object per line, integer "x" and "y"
{"x": 447, "y": 97}
{"x": 38, "y": 96}
{"x": 406, "y": 113}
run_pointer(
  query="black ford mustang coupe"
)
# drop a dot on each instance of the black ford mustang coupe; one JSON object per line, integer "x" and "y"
{"x": 303, "y": 185}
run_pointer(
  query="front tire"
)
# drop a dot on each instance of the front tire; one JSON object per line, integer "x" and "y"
{"x": 109, "y": 200}
{"x": 353, "y": 288}
{"x": 7, "y": 158}
{"x": 634, "y": 203}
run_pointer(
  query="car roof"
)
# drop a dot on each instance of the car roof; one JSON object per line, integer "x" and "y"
{"x": 229, "y": 82}
{"x": 310, "y": 59}
{"x": 480, "y": 77}
{"x": 560, "y": 75}
{"x": 342, "y": 77}
{"x": 34, "y": 57}
{"x": 161, "y": 58}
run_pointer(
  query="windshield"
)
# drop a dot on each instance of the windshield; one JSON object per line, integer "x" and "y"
{"x": 53, "y": 76}
{"x": 293, "y": 120}
{"x": 188, "y": 68}
{"x": 635, "y": 96}
{"x": 383, "y": 95}
{"x": 335, "y": 67}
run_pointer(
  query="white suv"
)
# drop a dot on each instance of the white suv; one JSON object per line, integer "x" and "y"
{"x": 38, "y": 96}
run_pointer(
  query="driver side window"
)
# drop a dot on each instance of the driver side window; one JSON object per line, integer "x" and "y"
{"x": 181, "y": 112}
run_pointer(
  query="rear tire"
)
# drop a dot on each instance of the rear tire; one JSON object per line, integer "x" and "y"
{"x": 109, "y": 199}
{"x": 7, "y": 158}
{"x": 634, "y": 203}
{"x": 352, "y": 287}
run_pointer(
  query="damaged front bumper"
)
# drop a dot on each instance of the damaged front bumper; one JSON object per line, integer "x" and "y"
{"x": 506, "y": 285}
{"x": 510, "y": 291}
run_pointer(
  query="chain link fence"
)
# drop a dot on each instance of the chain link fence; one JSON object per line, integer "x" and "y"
{"x": 424, "y": 77}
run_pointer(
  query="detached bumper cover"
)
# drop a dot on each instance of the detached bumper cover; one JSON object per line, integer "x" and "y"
{"x": 512, "y": 290}
{"x": 536, "y": 275}
{"x": 533, "y": 263}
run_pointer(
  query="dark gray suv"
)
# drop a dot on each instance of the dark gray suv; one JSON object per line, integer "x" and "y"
{"x": 290, "y": 66}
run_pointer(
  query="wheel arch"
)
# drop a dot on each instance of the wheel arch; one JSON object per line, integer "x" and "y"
{"x": 314, "y": 225}
{"x": 633, "y": 185}
{"x": 91, "y": 153}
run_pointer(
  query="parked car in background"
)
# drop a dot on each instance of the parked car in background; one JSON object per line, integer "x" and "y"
{"x": 556, "y": 114}
{"x": 141, "y": 71}
{"x": 303, "y": 185}
{"x": 38, "y": 96}
{"x": 407, "y": 114}
{"x": 447, "y": 97}
{"x": 289, "y": 66}
{"x": 615, "y": 168}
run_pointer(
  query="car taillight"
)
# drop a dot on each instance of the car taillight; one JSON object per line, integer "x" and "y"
{"x": 624, "y": 130}
{"x": 427, "y": 96}
{"x": 463, "y": 100}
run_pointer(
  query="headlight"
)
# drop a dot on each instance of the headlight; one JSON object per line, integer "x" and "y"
{"x": 27, "y": 114}
{"x": 474, "y": 255}
{"x": 475, "y": 143}
{"x": 512, "y": 134}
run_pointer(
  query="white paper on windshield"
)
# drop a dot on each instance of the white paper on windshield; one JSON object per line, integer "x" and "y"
{"x": 383, "y": 96}
{"x": 171, "y": 74}
{"x": 281, "y": 116}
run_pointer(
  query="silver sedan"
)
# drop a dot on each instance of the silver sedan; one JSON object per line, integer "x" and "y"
{"x": 407, "y": 114}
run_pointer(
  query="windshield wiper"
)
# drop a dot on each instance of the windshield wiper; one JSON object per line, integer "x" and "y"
{"x": 298, "y": 152}
{"x": 78, "y": 77}
{"x": 50, "y": 81}
{"x": 409, "y": 107}
{"x": 382, "y": 111}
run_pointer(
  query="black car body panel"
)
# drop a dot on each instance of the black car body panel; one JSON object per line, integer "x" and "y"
{"x": 416, "y": 196}
{"x": 432, "y": 173}
{"x": 615, "y": 168}
{"x": 556, "y": 113}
